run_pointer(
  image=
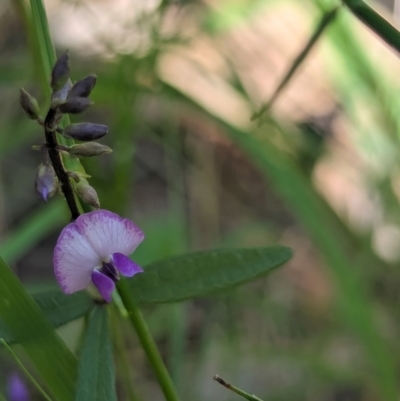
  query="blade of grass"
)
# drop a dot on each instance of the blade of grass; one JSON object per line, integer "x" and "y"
{"x": 43, "y": 38}
{"x": 53, "y": 361}
{"x": 373, "y": 20}
{"x": 363, "y": 70}
{"x": 327, "y": 18}
{"x": 40, "y": 28}
{"x": 26, "y": 372}
{"x": 25, "y": 13}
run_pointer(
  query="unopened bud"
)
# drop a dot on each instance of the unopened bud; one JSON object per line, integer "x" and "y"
{"x": 29, "y": 104}
{"x": 46, "y": 181}
{"x": 75, "y": 105}
{"x": 61, "y": 95}
{"x": 84, "y": 87}
{"x": 89, "y": 149}
{"x": 85, "y": 132}
{"x": 60, "y": 72}
{"x": 87, "y": 193}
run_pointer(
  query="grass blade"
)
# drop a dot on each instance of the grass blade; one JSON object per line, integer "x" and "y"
{"x": 374, "y": 21}
{"x": 53, "y": 361}
{"x": 58, "y": 308}
{"x": 325, "y": 21}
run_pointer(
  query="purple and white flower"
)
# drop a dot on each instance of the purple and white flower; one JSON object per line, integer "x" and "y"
{"x": 95, "y": 249}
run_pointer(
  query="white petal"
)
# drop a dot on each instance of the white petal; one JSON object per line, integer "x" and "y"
{"x": 74, "y": 260}
{"x": 109, "y": 233}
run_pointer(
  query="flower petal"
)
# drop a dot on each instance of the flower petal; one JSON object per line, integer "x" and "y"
{"x": 109, "y": 233}
{"x": 104, "y": 284}
{"x": 126, "y": 266}
{"x": 74, "y": 260}
{"x": 17, "y": 390}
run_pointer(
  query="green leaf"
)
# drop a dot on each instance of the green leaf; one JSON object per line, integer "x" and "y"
{"x": 43, "y": 38}
{"x": 374, "y": 21}
{"x": 96, "y": 373}
{"x": 58, "y": 308}
{"x": 61, "y": 309}
{"x": 200, "y": 273}
{"x": 28, "y": 325}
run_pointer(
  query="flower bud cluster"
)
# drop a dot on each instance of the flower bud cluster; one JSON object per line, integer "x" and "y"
{"x": 67, "y": 98}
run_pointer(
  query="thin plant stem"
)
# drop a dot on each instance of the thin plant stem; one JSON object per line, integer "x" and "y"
{"x": 27, "y": 374}
{"x": 325, "y": 21}
{"x": 147, "y": 342}
{"x": 237, "y": 390}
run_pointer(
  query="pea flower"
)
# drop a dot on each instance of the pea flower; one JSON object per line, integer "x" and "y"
{"x": 94, "y": 249}
{"x": 17, "y": 390}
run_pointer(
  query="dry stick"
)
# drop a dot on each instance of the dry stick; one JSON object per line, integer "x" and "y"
{"x": 326, "y": 19}
{"x": 250, "y": 397}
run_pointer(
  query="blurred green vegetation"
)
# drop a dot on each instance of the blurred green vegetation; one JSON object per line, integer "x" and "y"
{"x": 177, "y": 84}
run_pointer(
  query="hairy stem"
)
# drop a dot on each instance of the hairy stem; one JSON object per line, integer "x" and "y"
{"x": 50, "y": 128}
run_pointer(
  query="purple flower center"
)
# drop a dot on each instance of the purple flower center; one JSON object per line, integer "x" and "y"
{"x": 110, "y": 271}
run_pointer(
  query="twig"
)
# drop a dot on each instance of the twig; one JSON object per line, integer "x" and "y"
{"x": 250, "y": 397}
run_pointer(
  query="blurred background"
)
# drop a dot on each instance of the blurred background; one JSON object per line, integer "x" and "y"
{"x": 319, "y": 171}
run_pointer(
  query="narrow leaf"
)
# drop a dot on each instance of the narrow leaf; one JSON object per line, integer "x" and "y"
{"x": 200, "y": 273}
{"x": 61, "y": 309}
{"x": 43, "y": 38}
{"x": 28, "y": 325}
{"x": 374, "y": 21}
{"x": 58, "y": 308}
{"x": 96, "y": 376}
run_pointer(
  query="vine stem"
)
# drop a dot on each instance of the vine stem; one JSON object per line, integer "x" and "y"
{"x": 147, "y": 342}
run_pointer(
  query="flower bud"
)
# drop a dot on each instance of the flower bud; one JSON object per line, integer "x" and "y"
{"x": 61, "y": 95}
{"x": 84, "y": 87}
{"x": 85, "y": 131}
{"x": 75, "y": 105}
{"x": 29, "y": 104}
{"x": 88, "y": 149}
{"x": 60, "y": 72}
{"x": 87, "y": 193}
{"x": 46, "y": 181}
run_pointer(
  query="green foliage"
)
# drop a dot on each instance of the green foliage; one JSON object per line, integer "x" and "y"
{"x": 58, "y": 308}
{"x": 201, "y": 273}
{"x": 96, "y": 373}
{"x": 29, "y": 327}
{"x": 132, "y": 94}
